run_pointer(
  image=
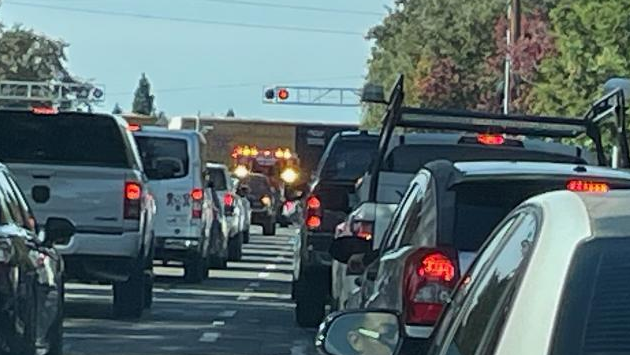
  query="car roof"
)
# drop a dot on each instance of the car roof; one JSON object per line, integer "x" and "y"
{"x": 360, "y": 133}
{"x": 153, "y": 131}
{"x": 503, "y": 168}
{"x": 216, "y": 166}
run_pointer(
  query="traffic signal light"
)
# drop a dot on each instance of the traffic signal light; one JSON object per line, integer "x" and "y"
{"x": 276, "y": 94}
{"x": 283, "y": 94}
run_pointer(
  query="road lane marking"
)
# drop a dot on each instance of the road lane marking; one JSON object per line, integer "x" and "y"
{"x": 254, "y": 284}
{"x": 209, "y": 337}
{"x": 270, "y": 267}
{"x": 243, "y": 298}
{"x": 111, "y": 336}
{"x": 263, "y": 275}
{"x": 227, "y": 314}
{"x": 218, "y": 323}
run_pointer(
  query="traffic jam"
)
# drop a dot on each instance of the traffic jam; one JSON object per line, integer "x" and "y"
{"x": 448, "y": 231}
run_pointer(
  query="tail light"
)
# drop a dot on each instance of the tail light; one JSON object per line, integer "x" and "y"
{"x": 430, "y": 276}
{"x": 228, "y": 204}
{"x": 313, "y": 212}
{"x": 363, "y": 229}
{"x": 197, "y": 202}
{"x": 133, "y": 200}
{"x": 491, "y": 139}
{"x": 587, "y": 186}
{"x": 266, "y": 200}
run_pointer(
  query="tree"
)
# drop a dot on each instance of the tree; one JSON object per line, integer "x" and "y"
{"x": 230, "y": 113}
{"x": 28, "y": 56}
{"x": 117, "y": 109}
{"x": 592, "y": 45}
{"x": 143, "y": 102}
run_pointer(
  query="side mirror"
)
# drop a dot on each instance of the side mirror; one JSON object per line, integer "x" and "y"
{"x": 58, "y": 231}
{"x": 360, "y": 332}
{"x": 343, "y": 248}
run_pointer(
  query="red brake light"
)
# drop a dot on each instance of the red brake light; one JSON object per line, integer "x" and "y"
{"x": 43, "y": 110}
{"x": 587, "y": 186}
{"x": 196, "y": 194}
{"x": 313, "y": 203}
{"x": 133, "y": 127}
{"x": 133, "y": 191}
{"x": 313, "y": 222}
{"x": 430, "y": 275}
{"x": 490, "y": 139}
{"x": 228, "y": 199}
{"x": 437, "y": 266}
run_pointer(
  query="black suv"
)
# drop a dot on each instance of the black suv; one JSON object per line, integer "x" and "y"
{"x": 326, "y": 204}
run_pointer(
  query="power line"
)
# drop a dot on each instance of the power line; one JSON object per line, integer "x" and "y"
{"x": 296, "y": 7}
{"x": 184, "y": 20}
{"x": 238, "y": 85}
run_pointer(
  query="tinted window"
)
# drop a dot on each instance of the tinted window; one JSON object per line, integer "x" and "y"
{"x": 23, "y": 205}
{"x": 163, "y": 158}
{"x": 595, "y": 312}
{"x": 76, "y": 139}
{"x": 15, "y": 209}
{"x": 349, "y": 160}
{"x": 411, "y": 158}
{"x": 258, "y": 184}
{"x": 217, "y": 177}
{"x": 480, "y": 207}
{"x": 393, "y": 231}
{"x": 487, "y": 306}
{"x": 6, "y": 216}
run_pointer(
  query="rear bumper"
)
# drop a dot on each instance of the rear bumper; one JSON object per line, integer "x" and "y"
{"x": 177, "y": 248}
{"x": 316, "y": 249}
{"x": 99, "y": 268}
{"x": 125, "y": 245}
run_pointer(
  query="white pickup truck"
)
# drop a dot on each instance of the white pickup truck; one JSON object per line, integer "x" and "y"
{"x": 85, "y": 167}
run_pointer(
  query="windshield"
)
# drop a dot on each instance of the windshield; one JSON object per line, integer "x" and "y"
{"x": 95, "y": 140}
{"x": 349, "y": 160}
{"x": 217, "y": 177}
{"x": 163, "y": 158}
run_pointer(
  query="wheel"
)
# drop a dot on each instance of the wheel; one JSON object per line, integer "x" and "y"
{"x": 235, "y": 248}
{"x": 195, "y": 270}
{"x": 148, "y": 289}
{"x": 129, "y": 296}
{"x": 269, "y": 228}
{"x": 246, "y": 236}
{"x": 310, "y": 303}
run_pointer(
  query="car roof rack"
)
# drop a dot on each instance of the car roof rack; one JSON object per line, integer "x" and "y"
{"x": 609, "y": 109}
{"x": 27, "y": 94}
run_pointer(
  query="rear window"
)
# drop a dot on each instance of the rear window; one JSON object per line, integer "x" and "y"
{"x": 217, "y": 178}
{"x": 349, "y": 160}
{"x": 163, "y": 158}
{"x": 479, "y": 207}
{"x": 594, "y": 314}
{"x": 258, "y": 184}
{"x": 410, "y": 158}
{"x": 62, "y": 139}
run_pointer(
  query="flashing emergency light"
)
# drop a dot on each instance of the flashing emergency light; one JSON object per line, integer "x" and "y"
{"x": 241, "y": 171}
{"x": 133, "y": 127}
{"x": 266, "y": 200}
{"x": 289, "y": 175}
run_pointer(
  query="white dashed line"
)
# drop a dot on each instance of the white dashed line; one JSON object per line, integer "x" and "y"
{"x": 218, "y": 323}
{"x": 263, "y": 275}
{"x": 227, "y": 314}
{"x": 209, "y": 337}
{"x": 242, "y": 298}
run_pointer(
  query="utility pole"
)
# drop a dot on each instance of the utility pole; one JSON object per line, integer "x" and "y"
{"x": 512, "y": 35}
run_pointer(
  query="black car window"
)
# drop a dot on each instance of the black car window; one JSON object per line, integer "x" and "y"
{"x": 422, "y": 227}
{"x": 258, "y": 185}
{"x": 393, "y": 230}
{"x": 594, "y": 314}
{"x": 163, "y": 158}
{"x": 412, "y": 157}
{"x": 487, "y": 305}
{"x": 217, "y": 178}
{"x": 5, "y": 213}
{"x": 476, "y": 270}
{"x": 12, "y": 201}
{"x": 96, "y": 140}
{"x": 348, "y": 160}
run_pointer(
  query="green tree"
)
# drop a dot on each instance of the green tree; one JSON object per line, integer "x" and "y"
{"x": 592, "y": 45}
{"x": 143, "y": 102}
{"x": 29, "y": 56}
{"x": 117, "y": 109}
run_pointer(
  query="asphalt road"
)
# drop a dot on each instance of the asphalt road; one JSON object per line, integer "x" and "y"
{"x": 246, "y": 309}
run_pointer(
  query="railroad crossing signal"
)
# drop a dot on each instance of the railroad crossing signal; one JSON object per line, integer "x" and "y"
{"x": 312, "y": 96}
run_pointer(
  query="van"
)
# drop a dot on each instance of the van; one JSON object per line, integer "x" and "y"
{"x": 186, "y": 228}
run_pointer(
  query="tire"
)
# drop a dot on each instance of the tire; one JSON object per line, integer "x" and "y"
{"x": 148, "y": 289}
{"x": 235, "y": 248}
{"x": 129, "y": 296}
{"x": 310, "y": 304}
{"x": 269, "y": 228}
{"x": 246, "y": 236}
{"x": 195, "y": 270}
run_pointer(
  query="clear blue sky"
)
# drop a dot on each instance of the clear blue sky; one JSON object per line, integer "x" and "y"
{"x": 114, "y": 50}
